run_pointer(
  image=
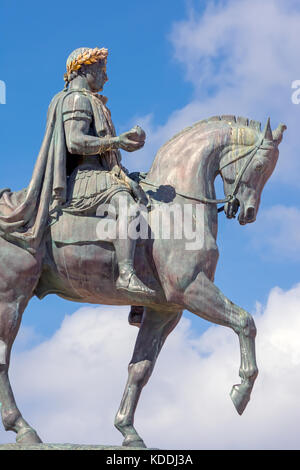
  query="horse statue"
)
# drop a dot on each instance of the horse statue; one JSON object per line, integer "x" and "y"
{"x": 180, "y": 273}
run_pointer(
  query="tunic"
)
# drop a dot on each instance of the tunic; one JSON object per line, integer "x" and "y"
{"x": 26, "y": 215}
{"x": 90, "y": 180}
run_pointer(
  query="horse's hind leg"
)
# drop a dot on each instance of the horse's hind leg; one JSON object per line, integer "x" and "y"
{"x": 204, "y": 299}
{"x": 18, "y": 276}
{"x": 10, "y": 317}
{"x": 155, "y": 327}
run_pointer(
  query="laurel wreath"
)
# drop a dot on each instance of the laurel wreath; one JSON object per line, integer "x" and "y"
{"x": 88, "y": 57}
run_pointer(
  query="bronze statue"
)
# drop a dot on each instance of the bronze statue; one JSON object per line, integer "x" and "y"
{"x": 50, "y": 242}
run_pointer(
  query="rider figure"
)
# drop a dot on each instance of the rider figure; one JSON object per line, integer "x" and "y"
{"x": 95, "y": 174}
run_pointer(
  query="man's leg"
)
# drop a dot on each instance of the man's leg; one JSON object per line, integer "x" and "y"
{"x": 127, "y": 210}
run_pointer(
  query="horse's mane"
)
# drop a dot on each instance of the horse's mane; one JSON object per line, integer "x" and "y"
{"x": 235, "y": 121}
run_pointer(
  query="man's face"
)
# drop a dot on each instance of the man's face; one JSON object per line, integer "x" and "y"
{"x": 96, "y": 76}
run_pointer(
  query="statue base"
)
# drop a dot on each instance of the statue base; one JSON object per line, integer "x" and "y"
{"x": 45, "y": 446}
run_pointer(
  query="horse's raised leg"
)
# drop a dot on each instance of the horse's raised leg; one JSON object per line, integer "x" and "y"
{"x": 155, "y": 327}
{"x": 204, "y": 299}
{"x": 17, "y": 280}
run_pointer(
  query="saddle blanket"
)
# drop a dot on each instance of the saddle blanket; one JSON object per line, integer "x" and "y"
{"x": 70, "y": 229}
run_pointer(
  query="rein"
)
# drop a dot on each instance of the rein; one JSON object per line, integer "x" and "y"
{"x": 252, "y": 151}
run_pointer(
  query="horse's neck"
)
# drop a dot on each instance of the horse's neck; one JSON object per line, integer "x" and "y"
{"x": 189, "y": 165}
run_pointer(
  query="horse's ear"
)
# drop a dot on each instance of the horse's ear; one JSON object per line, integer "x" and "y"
{"x": 278, "y": 133}
{"x": 267, "y": 133}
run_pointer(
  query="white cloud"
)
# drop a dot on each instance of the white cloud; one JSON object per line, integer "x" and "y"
{"x": 241, "y": 58}
{"x": 235, "y": 42}
{"x": 70, "y": 386}
{"x": 277, "y": 232}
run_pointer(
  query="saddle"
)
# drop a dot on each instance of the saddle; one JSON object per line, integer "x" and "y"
{"x": 70, "y": 228}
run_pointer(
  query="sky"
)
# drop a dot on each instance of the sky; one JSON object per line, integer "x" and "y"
{"x": 170, "y": 64}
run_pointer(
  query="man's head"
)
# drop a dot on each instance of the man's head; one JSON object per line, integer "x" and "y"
{"x": 90, "y": 63}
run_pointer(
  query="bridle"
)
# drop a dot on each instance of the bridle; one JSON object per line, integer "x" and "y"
{"x": 230, "y": 198}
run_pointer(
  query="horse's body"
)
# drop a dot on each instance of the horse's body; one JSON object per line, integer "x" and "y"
{"x": 182, "y": 278}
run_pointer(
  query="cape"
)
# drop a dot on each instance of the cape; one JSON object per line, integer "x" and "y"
{"x": 25, "y": 215}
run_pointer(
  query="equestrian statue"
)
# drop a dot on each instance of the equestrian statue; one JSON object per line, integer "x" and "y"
{"x": 52, "y": 237}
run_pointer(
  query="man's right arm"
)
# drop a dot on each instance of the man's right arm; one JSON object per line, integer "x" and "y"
{"x": 77, "y": 116}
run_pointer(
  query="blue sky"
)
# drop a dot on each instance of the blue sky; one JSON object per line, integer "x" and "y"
{"x": 170, "y": 64}
{"x": 143, "y": 78}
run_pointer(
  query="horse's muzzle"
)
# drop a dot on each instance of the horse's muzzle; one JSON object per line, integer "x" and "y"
{"x": 247, "y": 216}
{"x": 250, "y": 214}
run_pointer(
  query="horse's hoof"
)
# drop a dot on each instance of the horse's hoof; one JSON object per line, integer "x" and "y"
{"x": 134, "y": 442}
{"x": 28, "y": 436}
{"x": 240, "y": 395}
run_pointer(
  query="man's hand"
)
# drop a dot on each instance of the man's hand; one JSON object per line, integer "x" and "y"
{"x": 132, "y": 140}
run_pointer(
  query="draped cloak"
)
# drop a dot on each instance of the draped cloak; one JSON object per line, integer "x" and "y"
{"x": 24, "y": 215}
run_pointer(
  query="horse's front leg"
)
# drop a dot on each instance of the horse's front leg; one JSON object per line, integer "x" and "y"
{"x": 204, "y": 299}
{"x": 156, "y": 326}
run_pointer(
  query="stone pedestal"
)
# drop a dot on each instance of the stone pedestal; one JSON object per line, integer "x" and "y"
{"x": 65, "y": 447}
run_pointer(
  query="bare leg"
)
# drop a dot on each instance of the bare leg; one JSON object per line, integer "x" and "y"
{"x": 204, "y": 299}
{"x": 156, "y": 326}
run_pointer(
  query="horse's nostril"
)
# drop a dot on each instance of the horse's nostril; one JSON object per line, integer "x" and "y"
{"x": 250, "y": 213}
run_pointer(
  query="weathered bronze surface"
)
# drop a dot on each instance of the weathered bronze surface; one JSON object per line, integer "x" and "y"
{"x": 66, "y": 447}
{"x": 50, "y": 240}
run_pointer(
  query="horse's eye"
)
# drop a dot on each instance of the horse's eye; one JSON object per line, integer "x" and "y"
{"x": 258, "y": 166}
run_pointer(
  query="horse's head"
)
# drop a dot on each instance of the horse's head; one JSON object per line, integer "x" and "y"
{"x": 247, "y": 164}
